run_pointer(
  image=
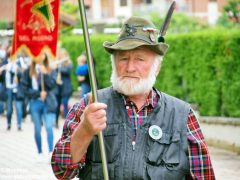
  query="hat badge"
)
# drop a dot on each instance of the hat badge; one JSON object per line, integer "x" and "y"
{"x": 130, "y": 29}
{"x": 151, "y": 32}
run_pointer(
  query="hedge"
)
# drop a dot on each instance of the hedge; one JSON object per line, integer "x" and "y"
{"x": 202, "y": 68}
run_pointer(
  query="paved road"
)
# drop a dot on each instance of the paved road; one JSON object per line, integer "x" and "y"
{"x": 18, "y": 155}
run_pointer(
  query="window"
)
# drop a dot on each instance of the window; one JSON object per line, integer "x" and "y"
{"x": 123, "y": 2}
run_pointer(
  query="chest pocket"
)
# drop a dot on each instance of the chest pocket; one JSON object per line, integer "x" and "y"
{"x": 112, "y": 144}
{"x": 165, "y": 151}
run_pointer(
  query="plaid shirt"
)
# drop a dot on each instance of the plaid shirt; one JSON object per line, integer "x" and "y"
{"x": 199, "y": 159}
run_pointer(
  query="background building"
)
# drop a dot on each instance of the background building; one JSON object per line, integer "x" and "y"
{"x": 110, "y": 11}
{"x": 101, "y": 12}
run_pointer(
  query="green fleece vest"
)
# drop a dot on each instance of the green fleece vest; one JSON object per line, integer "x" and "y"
{"x": 163, "y": 159}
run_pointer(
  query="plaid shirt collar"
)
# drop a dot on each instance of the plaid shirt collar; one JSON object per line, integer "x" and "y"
{"x": 151, "y": 101}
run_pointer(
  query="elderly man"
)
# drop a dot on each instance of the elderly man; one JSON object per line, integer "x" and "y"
{"x": 148, "y": 134}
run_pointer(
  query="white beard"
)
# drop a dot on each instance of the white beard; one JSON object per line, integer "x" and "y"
{"x": 131, "y": 87}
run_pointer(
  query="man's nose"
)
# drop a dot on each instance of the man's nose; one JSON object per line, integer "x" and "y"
{"x": 131, "y": 65}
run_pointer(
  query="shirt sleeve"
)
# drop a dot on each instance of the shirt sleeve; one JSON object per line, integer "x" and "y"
{"x": 82, "y": 70}
{"x": 61, "y": 162}
{"x": 199, "y": 157}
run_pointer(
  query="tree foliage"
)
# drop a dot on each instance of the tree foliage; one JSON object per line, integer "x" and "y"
{"x": 69, "y": 8}
{"x": 3, "y": 25}
{"x": 180, "y": 22}
{"x": 233, "y": 10}
{"x": 231, "y": 14}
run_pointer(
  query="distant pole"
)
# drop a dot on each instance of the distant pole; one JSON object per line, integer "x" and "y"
{"x": 92, "y": 81}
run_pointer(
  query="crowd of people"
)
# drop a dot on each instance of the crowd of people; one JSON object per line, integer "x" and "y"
{"x": 39, "y": 87}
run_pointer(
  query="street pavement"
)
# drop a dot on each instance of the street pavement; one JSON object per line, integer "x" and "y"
{"x": 18, "y": 154}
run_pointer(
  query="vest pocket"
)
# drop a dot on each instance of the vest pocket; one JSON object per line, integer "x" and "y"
{"x": 112, "y": 144}
{"x": 165, "y": 151}
{"x": 158, "y": 173}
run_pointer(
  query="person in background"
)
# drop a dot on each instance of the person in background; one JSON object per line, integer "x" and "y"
{"x": 82, "y": 75}
{"x": 2, "y": 85}
{"x": 148, "y": 134}
{"x": 4, "y": 55}
{"x": 38, "y": 83}
{"x": 2, "y": 90}
{"x": 63, "y": 70}
{"x": 3, "y": 52}
{"x": 14, "y": 91}
{"x": 25, "y": 61}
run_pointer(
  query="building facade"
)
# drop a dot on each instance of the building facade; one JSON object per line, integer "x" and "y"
{"x": 113, "y": 11}
{"x": 109, "y": 11}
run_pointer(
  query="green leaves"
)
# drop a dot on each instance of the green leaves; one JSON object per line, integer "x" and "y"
{"x": 231, "y": 15}
{"x": 203, "y": 68}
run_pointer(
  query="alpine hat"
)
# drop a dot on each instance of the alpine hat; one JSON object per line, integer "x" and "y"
{"x": 137, "y": 32}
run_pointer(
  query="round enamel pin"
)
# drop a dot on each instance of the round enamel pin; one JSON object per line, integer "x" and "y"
{"x": 155, "y": 132}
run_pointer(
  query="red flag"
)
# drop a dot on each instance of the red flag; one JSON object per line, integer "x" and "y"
{"x": 36, "y": 27}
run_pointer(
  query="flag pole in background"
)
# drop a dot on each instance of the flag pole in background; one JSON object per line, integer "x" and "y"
{"x": 92, "y": 81}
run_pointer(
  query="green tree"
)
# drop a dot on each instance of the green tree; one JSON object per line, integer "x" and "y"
{"x": 3, "y": 25}
{"x": 73, "y": 10}
{"x": 180, "y": 22}
{"x": 69, "y": 8}
{"x": 231, "y": 14}
{"x": 233, "y": 10}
